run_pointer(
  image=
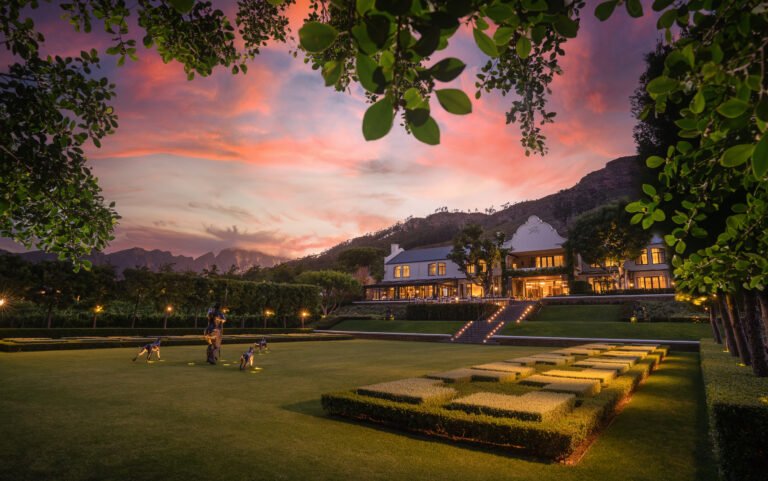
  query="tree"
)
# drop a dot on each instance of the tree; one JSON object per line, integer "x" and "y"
{"x": 369, "y": 258}
{"x": 138, "y": 284}
{"x": 606, "y": 237}
{"x": 477, "y": 256}
{"x": 335, "y": 288}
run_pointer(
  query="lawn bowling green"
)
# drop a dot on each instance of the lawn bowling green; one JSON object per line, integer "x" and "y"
{"x": 529, "y": 397}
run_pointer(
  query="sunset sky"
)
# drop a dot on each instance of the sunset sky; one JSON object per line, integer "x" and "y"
{"x": 274, "y": 161}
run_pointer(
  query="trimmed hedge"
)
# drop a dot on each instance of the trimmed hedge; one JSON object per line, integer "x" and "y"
{"x": 412, "y": 390}
{"x": 449, "y": 312}
{"x": 57, "y": 333}
{"x": 737, "y": 403}
{"x": 552, "y": 440}
{"x": 532, "y": 406}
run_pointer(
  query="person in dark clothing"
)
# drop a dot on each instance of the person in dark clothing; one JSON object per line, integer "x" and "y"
{"x": 214, "y": 332}
{"x": 150, "y": 348}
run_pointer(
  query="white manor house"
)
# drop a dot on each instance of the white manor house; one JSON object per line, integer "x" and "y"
{"x": 538, "y": 269}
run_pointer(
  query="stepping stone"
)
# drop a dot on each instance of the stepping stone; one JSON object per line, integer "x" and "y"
{"x": 529, "y": 361}
{"x": 533, "y": 406}
{"x": 569, "y": 359}
{"x": 579, "y": 387}
{"x": 411, "y": 390}
{"x": 578, "y": 351}
{"x": 521, "y": 371}
{"x": 615, "y": 366}
{"x": 604, "y": 376}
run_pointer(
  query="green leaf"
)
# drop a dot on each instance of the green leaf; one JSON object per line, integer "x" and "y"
{"x": 680, "y": 247}
{"x": 316, "y": 37}
{"x": 370, "y": 74}
{"x": 634, "y": 8}
{"x": 732, "y": 108}
{"x": 331, "y": 72}
{"x": 394, "y": 7}
{"x": 647, "y": 222}
{"x": 363, "y": 6}
{"x": 182, "y": 6}
{"x": 428, "y": 132}
{"x": 484, "y": 42}
{"x": 377, "y": 121}
{"x": 658, "y": 215}
{"x": 667, "y": 19}
{"x": 670, "y": 240}
{"x": 499, "y": 12}
{"x": 761, "y": 110}
{"x": 605, "y": 9}
{"x": 454, "y": 101}
{"x": 736, "y": 155}
{"x": 4, "y": 206}
{"x": 566, "y": 26}
{"x": 523, "y": 47}
{"x": 412, "y": 98}
{"x": 659, "y": 5}
{"x": 661, "y": 85}
{"x": 649, "y": 190}
{"x": 634, "y": 207}
{"x": 447, "y": 69}
{"x": 698, "y": 103}
{"x": 760, "y": 158}
{"x": 654, "y": 161}
{"x": 503, "y": 35}
{"x": 636, "y": 218}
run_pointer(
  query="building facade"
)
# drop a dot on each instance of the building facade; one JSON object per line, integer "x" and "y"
{"x": 536, "y": 268}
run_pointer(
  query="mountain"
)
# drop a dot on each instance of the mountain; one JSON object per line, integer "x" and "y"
{"x": 619, "y": 179}
{"x": 155, "y": 259}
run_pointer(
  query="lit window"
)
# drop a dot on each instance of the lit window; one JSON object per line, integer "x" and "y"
{"x": 550, "y": 261}
{"x": 611, "y": 263}
{"x": 398, "y": 271}
{"x": 652, "y": 282}
{"x": 441, "y": 268}
{"x": 643, "y": 259}
{"x": 483, "y": 266}
{"x": 406, "y": 271}
{"x": 471, "y": 269}
{"x": 658, "y": 256}
{"x": 432, "y": 269}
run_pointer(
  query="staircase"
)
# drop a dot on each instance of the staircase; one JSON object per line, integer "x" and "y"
{"x": 480, "y": 331}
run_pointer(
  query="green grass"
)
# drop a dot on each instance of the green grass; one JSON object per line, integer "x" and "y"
{"x": 589, "y": 313}
{"x": 85, "y": 415}
{"x": 426, "y": 327}
{"x": 617, "y": 330}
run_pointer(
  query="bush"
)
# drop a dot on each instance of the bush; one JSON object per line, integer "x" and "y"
{"x": 413, "y": 390}
{"x": 580, "y": 288}
{"x": 449, "y": 312}
{"x": 737, "y": 402}
{"x": 532, "y": 406}
{"x": 57, "y": 333}
{"x": 551, "y": 440}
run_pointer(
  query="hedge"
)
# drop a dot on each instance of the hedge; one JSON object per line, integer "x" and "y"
{"x": 737, "y": 403}
{"x": 449, "y": 312}
{"x": 532, "y": 406}
{"x": 57, "y": 333}
{"x": 553, "y": 440}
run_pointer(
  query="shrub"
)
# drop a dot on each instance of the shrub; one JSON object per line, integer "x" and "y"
{"x": 558, "y": 357}
{"x": 577, "y": 351}
{"x": 449, "y": 312}
{"x": 532, "y": 406}
{"x": 602, "y": 375}
{"x": 455, "y": 375}
{"x": 614, "y": 366}
{"x": 581, "y": 388}
{"x": 521, "y": 371}
{"x": 493, "y": 376}
{"x": 738, "y": 413}
{"x": 590, "y": 387}
{"x": 526, "y": 361}
{"x": 412, "y": 390}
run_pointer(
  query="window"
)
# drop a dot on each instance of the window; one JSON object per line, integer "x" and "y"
{"x": 398, "y": 271}
{"x": 406, "y": 271}
{"x": 550, "y": 261}
{"x": 471, "y": 269}
{"x": 643, "y": 259}
{"x": 658, "y": 256}
{"x": 432, "y": 269}
{"x": 651, "y": 282}
{"x": 441, "y": 268}
{"x": 483, "y": 266}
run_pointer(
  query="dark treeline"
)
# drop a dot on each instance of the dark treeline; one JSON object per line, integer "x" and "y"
{"x": 51, "y": 294}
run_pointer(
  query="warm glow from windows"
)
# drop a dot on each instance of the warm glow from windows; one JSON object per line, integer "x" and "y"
{"x": 658, "y": 256}
{"x": 643, "y": 259}
{"x": 398, "y": 271}
{"x": 406, "y": 271}
{"x": 550, "y": 261}
{"x": 432, "y": 269}
{"x": 651, "y": 282}
{"x": 441, "y": 268}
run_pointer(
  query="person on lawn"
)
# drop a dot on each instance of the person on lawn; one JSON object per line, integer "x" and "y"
{"x": 151, "y": 348}
{"x": 214, "y": 333}
{"x": 247, "y": 358}
{"x": 263, "y": 345}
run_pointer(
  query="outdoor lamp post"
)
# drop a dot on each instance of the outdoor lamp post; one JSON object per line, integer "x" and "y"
{"x": 168, "y": 311}
{"x": 96, "y": 311}
{"x": 303, "y": 315}
{"x": 267, "y": 314}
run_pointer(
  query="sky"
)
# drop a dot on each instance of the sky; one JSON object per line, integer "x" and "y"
{"x": 276, "y": 162}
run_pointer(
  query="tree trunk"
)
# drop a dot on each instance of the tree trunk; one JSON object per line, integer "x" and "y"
{"x": 49, "y": 315}
{"x": 738, "y": 330}
{"x": 762, "y": 299}
{"x": 713, "y": 323}
{"x": 94, "y": 321}
{"x": 752, "y": 327}
{"x": 730, "y": 340}
{"x": 135, "y": 311}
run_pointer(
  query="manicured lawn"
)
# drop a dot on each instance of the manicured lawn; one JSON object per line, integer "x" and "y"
{"x": 605, "y": 313}
{"x": 82, "y": 415}
{"x": 431, "y": 327}
{"x": 621, "y": 330}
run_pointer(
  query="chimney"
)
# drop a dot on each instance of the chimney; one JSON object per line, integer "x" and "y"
{"x": 395, "y": 249}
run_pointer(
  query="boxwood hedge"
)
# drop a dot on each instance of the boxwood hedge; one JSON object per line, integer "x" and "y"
{"x": 737, "y": 403}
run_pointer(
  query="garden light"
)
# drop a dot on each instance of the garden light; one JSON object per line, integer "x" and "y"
{"x": 169, "y": 309}
{"x": 2, "y": 302}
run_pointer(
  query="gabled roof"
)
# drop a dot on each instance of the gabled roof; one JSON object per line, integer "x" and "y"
{"x": 534, "y": 235}
{"x": 422, "y": 255}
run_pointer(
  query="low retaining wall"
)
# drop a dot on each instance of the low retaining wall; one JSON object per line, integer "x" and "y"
{"x": 688, "y": 346}
{"x": 395, "y": 336}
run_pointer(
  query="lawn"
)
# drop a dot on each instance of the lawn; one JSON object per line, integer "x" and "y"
{"x": 86, "y": 415}
{"x": 602, "y": 312}
{"x": 616, "y": 330}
